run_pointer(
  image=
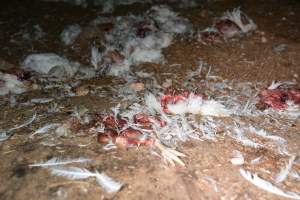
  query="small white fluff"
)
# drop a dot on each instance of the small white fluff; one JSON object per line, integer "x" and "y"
{"x": 292, "y": 111}
{"x": 267, "y": 186}
{"x": 214, "y": 108}
{"x": 236, "y": 16}
{"x": 10, "y": 84}
{"x": 238, "y": 158}
{"x": 96, "y": 57}
{"x": 255, "y": 160}
{"x": 46, "y": 128}
{"x": 70, "y": 33}
{"x": 50, "y": 64}
{"x": 168, "y": 20}
{"x": 152, "y": 103}
{"x": 119, "y": 69}
{"x": 57, "y": 161}
{"x": 157, "y": 40}
{"x": 238, "y": 134}
{"x": 143, "y": 54}
{"x": 285, "y": 171}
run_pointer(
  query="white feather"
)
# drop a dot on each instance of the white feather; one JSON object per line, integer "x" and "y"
{"x": 256, "y": 160}
{"x": 212, "y": 181}
{"x": 240, "y": 137}
{"x": 190, "y": 105}
{"x": 6, "y": 134}
{"x": 46, "y": 128}
{"x": 107, "y": 183}
{"x": 214, "y": 108}
{"x": 265, "y": 134}
{"x": 285, "y": 171}
{"x": 72, "y": 172}
{"x": 96, "y": 57}
{"x": 267, "y": 186}
{"x": 170, "y": 155}
{"x": 295, "y": 175}
{"x": 274, "y": 85}
{"x": 57, "y": 161}
{"x": 41, "y": 100}
{"x": 152, "y": 103}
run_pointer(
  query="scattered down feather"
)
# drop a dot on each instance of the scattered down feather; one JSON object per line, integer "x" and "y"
{"x": 50, "y": 64}
{"x": 96, "y": 57}
{"x": 267, "y": 186}
{"x": 152, "y": 103}
{"x": 70, "y": 33}
{"x": 107, "y": 183}
{"x": 11, "y": 84}
{"x": 6, "y": 134}
{"x": 72, "y": 172}
{"x": 171, "y": 156}
{"x": 46, "y": 128}
{"x": 285, "y": 171}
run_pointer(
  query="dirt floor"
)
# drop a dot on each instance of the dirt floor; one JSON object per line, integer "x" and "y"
{"x": 208, "y": 173}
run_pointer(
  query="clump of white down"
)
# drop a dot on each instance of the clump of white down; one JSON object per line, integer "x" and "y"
{"x": 138, "y": 50}
{"x": 197, "y": 105}
{"x": 50, "y": 64}
{"x": 10, "y": 84}
{"x": 168, "y": 20}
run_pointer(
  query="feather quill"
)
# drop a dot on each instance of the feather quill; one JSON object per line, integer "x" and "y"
{"x": 56, "y": 161}
{"x": 267, "y": 186}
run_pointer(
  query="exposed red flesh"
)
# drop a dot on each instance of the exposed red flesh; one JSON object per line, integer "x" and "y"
{"x": 227, "y": 28}
{"x": 277, "y": 98}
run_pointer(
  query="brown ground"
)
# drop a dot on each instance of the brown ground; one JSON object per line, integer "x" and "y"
{"x": 144, "y": 175}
